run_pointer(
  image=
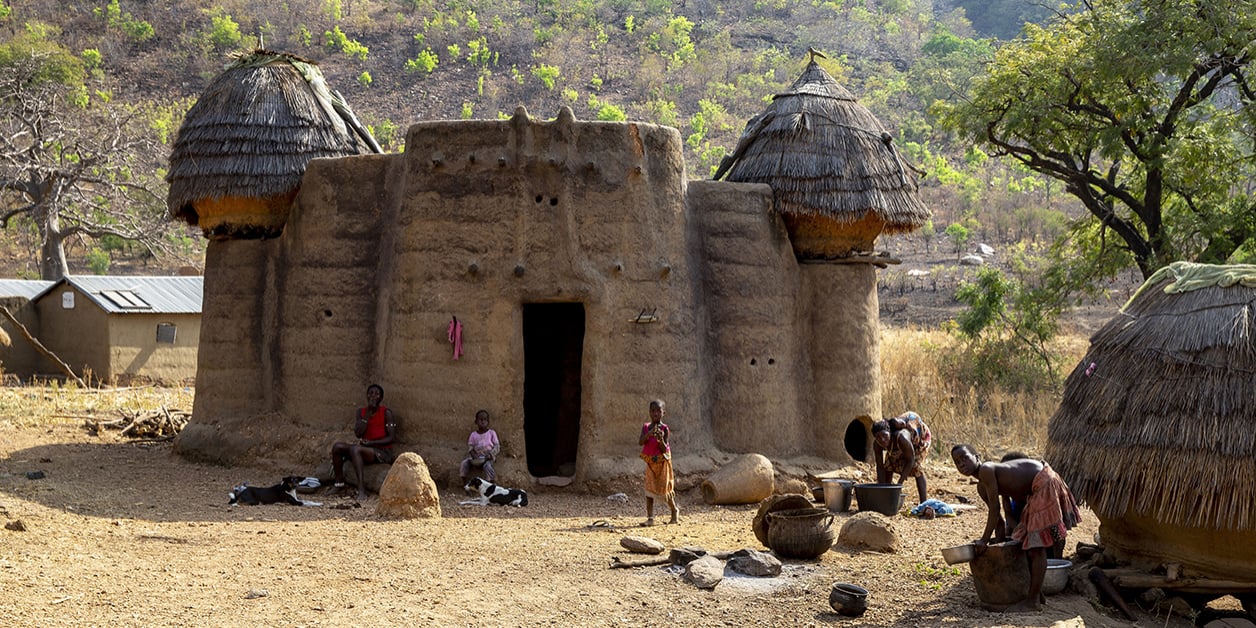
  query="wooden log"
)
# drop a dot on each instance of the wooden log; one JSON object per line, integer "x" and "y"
{"x": 1134, "y": 579}
{"x": 619, "y": 563}
{"x": 39, "y": 346}
{"x": 1106, "y": 589}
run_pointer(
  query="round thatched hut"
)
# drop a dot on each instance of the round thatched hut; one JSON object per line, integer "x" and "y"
{"x": 1157, "y": 428}
{"x": 836, "y": 178}
{"x": 241, "y": 152}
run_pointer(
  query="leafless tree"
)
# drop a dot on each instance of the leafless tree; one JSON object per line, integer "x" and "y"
{"x": 74, "y": 165}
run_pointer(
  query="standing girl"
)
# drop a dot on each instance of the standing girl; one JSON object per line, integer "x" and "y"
{"x": 657, "y": 452}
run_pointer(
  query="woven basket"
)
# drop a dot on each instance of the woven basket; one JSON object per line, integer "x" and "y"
{"x": 801, "y": 533}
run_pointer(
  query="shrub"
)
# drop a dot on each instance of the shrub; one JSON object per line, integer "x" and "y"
{"x": 426, "y": 62}
{"x": 224, "y": 32}
{"x": 548, "y": 74}
{"x": 98, "y": 261}
{"x": 611, "y": 113}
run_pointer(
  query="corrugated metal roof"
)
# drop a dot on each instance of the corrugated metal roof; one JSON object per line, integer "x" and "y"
{"x": 26, "y": 288}
{"x": 140, "y": 295}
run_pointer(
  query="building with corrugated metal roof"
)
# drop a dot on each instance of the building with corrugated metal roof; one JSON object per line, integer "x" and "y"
{"x": 110, "y": 329}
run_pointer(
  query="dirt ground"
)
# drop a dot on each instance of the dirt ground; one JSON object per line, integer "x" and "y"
{"x": 122, "y": 533}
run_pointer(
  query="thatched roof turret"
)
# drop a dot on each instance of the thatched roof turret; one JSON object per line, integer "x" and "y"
{"x": 1157, "y": 427}
{"x": 832, "y": 166}
{"x": 242, "y": 149}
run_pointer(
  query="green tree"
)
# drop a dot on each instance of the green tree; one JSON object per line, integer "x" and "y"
{"x": 1149, "y": 131}
{"x": 224, "y": 32}
{"x": 958, "y": 235}
{"x": 1008, "y": 326}
{"x": 70, "y": 165}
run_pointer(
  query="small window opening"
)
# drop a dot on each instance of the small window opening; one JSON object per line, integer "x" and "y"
{"x": 166, "y": 333}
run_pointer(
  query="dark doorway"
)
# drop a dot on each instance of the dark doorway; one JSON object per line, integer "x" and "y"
{"x": 856, "y": 440}
{"x": 553, "y": 350}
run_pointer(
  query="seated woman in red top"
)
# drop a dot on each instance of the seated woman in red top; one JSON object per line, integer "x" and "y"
{"x": 376, "y": 429}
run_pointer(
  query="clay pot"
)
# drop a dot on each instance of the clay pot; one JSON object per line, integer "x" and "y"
{"x": 746, "y": 480}
{"x": 848, "y": 599}
{"x": 1000, "y": 575}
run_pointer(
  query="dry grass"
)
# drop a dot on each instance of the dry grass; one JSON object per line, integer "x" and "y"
{"x": 53, "y": 403}
{"x": 994, "y": 422}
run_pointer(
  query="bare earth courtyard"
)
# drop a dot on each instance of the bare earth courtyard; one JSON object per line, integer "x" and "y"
{"x": 125, "y": 533}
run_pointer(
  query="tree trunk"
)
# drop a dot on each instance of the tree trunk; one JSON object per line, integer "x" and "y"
{"x": 52, "y": 264}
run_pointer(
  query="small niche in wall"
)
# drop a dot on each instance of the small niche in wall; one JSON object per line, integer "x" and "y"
{"x": 166, "y": 333}
{"x": 858, "y": 437}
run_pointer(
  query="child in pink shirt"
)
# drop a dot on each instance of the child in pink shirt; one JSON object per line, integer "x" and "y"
{"x": 482, "y": 448}
{"x": 656, "y": 451}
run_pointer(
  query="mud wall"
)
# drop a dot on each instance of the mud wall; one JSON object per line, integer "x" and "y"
{"x": 233, "y": 374}
{"x": 1149, "y": 544}
{"x": 135, "y": 352}
{"x": 494, "y": 216}
{"x": 20, "y": 357}
{"x": 759, "y": 391}
{"x": 841, "y": 300}
{"x": 79, "y": 335}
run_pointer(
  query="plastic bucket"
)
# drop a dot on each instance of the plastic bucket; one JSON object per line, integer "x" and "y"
{"x": 886, "y": 499}
{"x": 837, "y": 494}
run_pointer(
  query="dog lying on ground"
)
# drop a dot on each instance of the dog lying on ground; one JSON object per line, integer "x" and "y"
{"x": 489, "y": 493}
{"x": 285, "y": 492}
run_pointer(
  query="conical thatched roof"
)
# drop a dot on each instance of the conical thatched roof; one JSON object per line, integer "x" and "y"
{"x": 255, "y": 128}
{"x": 1159, "y": 419}
{"x": 825, "y": 154}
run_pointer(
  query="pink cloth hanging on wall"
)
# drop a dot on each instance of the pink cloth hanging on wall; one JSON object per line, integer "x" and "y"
{"x": 455, "y": 336}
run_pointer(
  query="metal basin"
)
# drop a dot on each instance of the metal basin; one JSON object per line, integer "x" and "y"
{"x": 1057, "y": 576}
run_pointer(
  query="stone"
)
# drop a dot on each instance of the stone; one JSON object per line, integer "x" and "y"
{"x": 705, "y": 572}
{"x": 1230, "y": 622}
{"x": 754, "y": 563}
{"x": 408, "y": 491}
{"x": 971, "y": 260}
{"x": 789, "y": 486}
{"x": 15, "y": 525}
{"x": 868, "y": 530}
{"x": 642, "y": 545}
{"x": 685, "y": 555}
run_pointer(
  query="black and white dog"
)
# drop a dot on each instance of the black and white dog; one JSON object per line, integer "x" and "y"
{"x": 490, "y": 493}
{"x": 284, "y": 492}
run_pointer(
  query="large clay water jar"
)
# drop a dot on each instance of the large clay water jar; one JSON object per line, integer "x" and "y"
{"x": 801, "y": 533}
{"x": 747, "y": 479}
{"x": 1001, "y": 575}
